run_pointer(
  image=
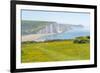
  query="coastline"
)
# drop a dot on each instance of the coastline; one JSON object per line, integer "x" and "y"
{"x": 33, "y": 37}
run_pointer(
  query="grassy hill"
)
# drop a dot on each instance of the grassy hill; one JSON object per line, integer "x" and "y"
{"x": 64, "y": 50}
{"x": 32, "y": 26}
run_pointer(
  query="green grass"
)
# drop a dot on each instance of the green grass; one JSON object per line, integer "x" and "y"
{"x": 54, "y": 51}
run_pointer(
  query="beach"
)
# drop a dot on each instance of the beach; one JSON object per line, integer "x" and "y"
{"x": 33, "y": 37}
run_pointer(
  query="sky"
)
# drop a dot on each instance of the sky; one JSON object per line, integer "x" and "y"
{"x": 59, "y": 17}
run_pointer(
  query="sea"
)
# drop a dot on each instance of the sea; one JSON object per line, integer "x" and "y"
{"x": 71, "y": 34}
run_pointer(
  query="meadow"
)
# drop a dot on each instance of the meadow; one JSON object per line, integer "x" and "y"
{"x": 65, "y": 50}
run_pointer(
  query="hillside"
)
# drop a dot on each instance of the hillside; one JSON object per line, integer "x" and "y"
{"x": 45, "y": 27}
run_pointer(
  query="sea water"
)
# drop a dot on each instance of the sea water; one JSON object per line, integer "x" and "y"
{"x": 71, "y": 34}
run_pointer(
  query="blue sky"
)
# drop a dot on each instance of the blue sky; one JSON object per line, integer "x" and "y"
{"x": 60, "y": 17}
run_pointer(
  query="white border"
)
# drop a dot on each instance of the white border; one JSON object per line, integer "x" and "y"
{"x": 20, "y": 65}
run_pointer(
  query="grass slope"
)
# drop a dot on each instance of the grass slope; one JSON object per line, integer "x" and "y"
{"x": 54, "y": 51}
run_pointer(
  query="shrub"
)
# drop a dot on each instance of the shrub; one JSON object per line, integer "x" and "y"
{"x": 82, "y": 40}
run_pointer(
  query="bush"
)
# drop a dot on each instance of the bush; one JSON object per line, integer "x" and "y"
{"x": 88, "y": 37}
{"x": 82, "y": 40}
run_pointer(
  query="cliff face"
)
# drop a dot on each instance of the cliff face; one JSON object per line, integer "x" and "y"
{"x": 57, "y": 28}
{"x": 52, "y": 28}
{"x": 45, "y": 27}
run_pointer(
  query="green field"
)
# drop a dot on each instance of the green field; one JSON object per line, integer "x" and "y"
{"x": 54, "y": 51}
